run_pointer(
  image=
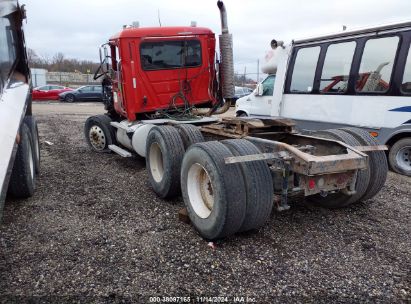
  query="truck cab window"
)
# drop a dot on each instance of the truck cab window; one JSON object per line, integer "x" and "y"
{"x": 268, "y": 86}
{"x": 162, "y": 55}
{"x": 304, "y": 70}
{"x": 406, "y": 79}
{"x": 376, "y": 65}
{"x": 337, "y": 65}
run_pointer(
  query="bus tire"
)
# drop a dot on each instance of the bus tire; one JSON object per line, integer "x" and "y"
{"x": 99, "y": 133}
{"x": 258, "y": 184}
{"x": 377, "y": 161}
{"x": 22, "y": 180}
{"x": 213, "y": 193}
{"x": 190, "y": 134}
{"x": 31, "y": 123}
{"x": 164, "y": 154}
{"x": 399, "y": 156}
{"x": 339, "y": 199}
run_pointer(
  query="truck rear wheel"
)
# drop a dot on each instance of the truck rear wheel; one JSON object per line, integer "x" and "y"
{"x": 22, "y": 181}
{"x": 99, "y": 133}
{"x": 190, "y": 134}
{"x": 164, "y": 154}
{"x": 213, "y": 193}
{"x": 377, "y": 162}
{"x": 340, "y": 199}
{"x": 258, "y": 184}
{"x": 400, "y": 156}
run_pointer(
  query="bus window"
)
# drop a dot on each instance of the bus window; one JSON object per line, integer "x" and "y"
{"x": 337, "y": 65}
{"x": 304, "y": 70}
{"x": 406, "y": 79}
{"x": 376, "y": 65}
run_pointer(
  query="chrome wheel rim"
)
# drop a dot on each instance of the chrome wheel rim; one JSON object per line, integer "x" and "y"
{"x": 97, "y": 138}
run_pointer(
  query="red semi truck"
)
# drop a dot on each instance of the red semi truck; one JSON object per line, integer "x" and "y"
{"x": 161, "y": 88}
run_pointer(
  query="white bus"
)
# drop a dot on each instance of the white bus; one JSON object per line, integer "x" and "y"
{"x": 356, "y": 78}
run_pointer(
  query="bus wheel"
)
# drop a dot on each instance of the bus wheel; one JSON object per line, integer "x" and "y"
{"x": 190, "y": 134}
{"x": 258, "y": 184}
{"x": 22, "y": 180}
{"x": 377, "y": 162}
{"x": 400, "y": 156}
{"x": 99, "y": 133}
{"x": 340, "y": 199}
{"x": 164, "y": 154}
{"x": 213, "y": 192}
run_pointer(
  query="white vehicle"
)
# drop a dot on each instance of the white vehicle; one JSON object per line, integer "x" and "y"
{"x": 360, "y": 78}
{"x": 19, "y": 148}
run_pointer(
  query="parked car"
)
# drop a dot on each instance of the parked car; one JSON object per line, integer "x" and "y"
{"x": 84, "y": 93}
{"x": 240, "y": 92}
{"x": 49, "y": 92}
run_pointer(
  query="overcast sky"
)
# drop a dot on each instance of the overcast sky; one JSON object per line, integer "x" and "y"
{"x": 77, "y": 28}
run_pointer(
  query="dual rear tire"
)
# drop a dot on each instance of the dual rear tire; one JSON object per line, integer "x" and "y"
{"x": 221, "y": 199}
{"x": 369, "y": 181}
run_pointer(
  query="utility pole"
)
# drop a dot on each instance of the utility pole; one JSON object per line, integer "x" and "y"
{"x": 245, "y": 72}
{"x": 258, "y": 70}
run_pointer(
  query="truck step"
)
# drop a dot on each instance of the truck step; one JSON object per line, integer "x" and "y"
{"x": 119, "y": 151}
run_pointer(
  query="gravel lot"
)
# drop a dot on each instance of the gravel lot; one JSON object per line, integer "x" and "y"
{"x": 95, "y": 232}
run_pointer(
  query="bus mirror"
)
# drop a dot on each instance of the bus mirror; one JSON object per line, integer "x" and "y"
{"x": 259, "y": 90}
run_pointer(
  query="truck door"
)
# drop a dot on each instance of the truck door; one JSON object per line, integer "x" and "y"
{"x": 262, "y": 103}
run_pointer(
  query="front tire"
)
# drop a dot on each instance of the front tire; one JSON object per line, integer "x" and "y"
{"x": 399, "y": 156}
{"x": 99, "y": 133}
{"x": 70, "y": 98}
{"x": 241, "y": 114}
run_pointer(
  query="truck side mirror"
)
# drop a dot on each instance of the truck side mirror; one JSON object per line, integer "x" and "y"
{"x": 259, "y": 90}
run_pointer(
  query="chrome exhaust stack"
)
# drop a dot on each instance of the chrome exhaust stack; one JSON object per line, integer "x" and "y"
{"x": 226, "y": 68}
{"x": 226, "y": 56}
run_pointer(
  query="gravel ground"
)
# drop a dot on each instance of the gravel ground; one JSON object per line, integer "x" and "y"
{"x": 95, "y": 232}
